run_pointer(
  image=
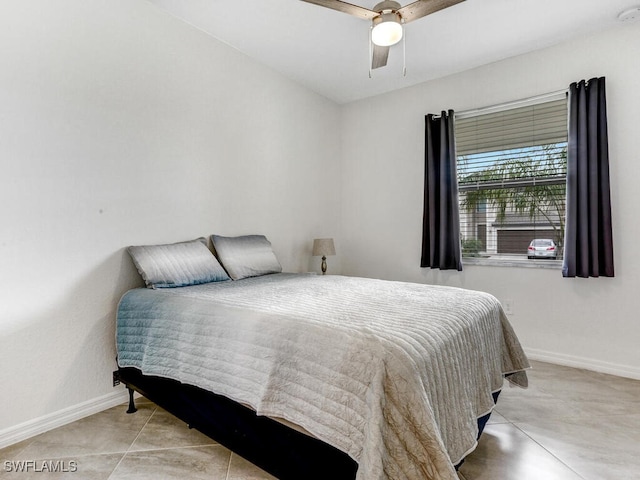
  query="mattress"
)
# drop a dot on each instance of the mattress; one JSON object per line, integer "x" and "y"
{"x": 394, "y": 374}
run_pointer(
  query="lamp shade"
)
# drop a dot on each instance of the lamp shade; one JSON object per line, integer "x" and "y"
{"x": 387, "y": 29}
{"x": 323, "y": 247}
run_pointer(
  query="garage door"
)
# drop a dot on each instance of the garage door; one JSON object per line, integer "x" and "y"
{"x": 517, "y": 241}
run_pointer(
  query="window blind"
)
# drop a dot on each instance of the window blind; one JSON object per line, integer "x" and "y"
{"x": 519, "y": 127}
{"x": 503, "y": 148}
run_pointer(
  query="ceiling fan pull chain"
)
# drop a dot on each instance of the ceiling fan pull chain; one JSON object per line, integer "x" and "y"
{"x": 370, "y": 50}
{"x": 404, "y": 52}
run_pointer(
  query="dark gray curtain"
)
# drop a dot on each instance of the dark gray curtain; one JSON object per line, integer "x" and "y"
{"x": 588, "y": 249}
{"x": 441, "y": 222}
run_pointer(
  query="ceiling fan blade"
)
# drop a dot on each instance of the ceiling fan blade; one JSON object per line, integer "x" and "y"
{"x": 379, "y": 57}
{"x": 421, "y": 8}
{"x": 345, "y": 7}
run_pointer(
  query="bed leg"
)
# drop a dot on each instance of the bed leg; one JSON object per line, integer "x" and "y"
{"x": 132, "y": 405}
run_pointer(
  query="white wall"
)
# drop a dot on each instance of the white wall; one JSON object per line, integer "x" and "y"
{"x": 587, "y": 322}
{"x": 121, "y": 125}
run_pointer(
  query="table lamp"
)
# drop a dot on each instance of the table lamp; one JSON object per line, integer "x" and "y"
{"x": 324, "y": 247}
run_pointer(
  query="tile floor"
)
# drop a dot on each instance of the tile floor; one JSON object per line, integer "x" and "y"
{"x": 568, "y": 425}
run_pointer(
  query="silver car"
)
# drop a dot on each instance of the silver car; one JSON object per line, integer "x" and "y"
{"x": 542, "y": 248}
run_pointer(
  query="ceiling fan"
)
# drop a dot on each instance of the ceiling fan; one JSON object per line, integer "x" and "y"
{"x": 387, "y": 19}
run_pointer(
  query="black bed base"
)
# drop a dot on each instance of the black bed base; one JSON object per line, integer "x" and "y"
{"x": 282, "y": 451}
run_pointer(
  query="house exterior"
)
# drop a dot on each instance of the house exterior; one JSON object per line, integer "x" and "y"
{"x": 510, "y": 235}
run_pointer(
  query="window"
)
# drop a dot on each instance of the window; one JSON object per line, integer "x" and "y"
{"x": 512, "y": 168}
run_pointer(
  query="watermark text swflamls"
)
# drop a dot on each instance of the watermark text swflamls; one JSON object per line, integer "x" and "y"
{"x": 39, "y": 466}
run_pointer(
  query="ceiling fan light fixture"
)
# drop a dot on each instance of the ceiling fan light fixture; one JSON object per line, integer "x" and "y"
{"x": 387, "y": 29}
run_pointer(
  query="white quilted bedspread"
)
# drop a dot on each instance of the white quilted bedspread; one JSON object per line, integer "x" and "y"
{"x": 395, "y": 374}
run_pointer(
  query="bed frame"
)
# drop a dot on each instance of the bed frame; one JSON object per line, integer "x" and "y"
{"x": 280, "y": 450}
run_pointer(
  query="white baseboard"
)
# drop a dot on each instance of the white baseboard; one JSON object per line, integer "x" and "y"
{"x": 582, "y": 362}
{"x": 30, "y": 428}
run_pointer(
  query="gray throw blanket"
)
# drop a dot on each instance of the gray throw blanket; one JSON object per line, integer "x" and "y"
{"x": 394, "y": 374}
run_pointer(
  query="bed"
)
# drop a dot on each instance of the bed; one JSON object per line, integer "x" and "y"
{"x": 315, "y": 376}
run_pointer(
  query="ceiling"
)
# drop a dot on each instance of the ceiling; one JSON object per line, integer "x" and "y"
{"x": 328, "y": 51}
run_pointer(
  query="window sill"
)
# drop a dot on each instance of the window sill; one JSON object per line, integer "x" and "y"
{"x": 513, "y": 262}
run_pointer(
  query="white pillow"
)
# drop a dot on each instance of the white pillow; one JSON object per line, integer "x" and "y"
{"x": 177, "y": 264}
{"x": 246, "y": 256}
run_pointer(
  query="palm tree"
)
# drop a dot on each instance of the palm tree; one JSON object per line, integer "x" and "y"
{"x": 534, "y": 185}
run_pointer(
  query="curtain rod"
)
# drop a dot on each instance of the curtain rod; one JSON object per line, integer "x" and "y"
{"x": 545, "y": 97}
